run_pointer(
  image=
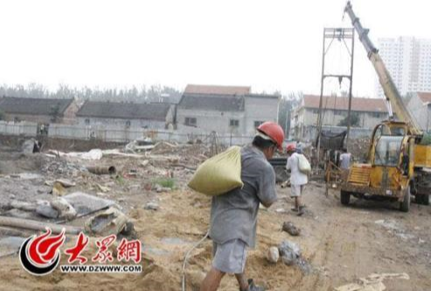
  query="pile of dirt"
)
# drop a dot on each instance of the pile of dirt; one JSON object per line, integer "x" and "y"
{"x": 12, "y": 162}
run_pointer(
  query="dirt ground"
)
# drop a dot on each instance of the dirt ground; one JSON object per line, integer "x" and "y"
{"x": 341, "y": 244}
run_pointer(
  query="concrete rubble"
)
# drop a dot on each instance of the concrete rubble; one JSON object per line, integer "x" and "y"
{"x": 290, "y": 228}
{"x": 289, "y": 252}
{"x": 273, "y": 255}
{"x": 63, "y": 207}
{"x": 68, "y": 186}
{"x": 111, "y": 221}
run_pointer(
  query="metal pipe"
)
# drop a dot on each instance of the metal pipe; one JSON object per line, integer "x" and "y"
{"x": 102, "y": 170}
{"x": 319, "y": 116}
{"x": 350, "y": 92}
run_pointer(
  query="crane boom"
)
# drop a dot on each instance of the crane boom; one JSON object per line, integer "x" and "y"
{"x": 391, "y": 92}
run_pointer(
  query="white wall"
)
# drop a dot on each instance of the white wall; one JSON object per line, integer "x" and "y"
{"x": 308, "y": 117}
{"x": 117, "y": 122}
{"x": 120, "y": 134}
{"x": 20, "y": 128}
{"x": 209, "y": 120}
{"x": 259, "y": 109}
{"x": 255, "y": 109}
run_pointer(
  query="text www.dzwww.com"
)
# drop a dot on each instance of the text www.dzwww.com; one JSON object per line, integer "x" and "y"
{"x": 101, "y": 269}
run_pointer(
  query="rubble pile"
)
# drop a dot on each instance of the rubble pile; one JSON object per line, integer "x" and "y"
{"x": 59, "y": 166}
{"x": 359, "y": 148}
{"x": 42, "y": 187}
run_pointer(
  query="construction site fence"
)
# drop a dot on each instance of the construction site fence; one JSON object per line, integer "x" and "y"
{"x": 309, "y": 133}
{"x": 120, "y": 134}
{"x": 20, "y": 129}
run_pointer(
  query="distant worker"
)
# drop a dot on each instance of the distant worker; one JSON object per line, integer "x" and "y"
{"x": 345, "y": 159}
{"x": 298, "y": 146}
{"x": 233, "y": 219}
{"x": 297, "y": 179}
{"x": 37, "y": 146}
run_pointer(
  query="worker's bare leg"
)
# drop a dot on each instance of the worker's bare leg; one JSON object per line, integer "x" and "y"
{"x": 297, "y": 202}
{"x": 300, "y": 200}
{"x": 212, "y": 280}
{"x": 242, "y": 281}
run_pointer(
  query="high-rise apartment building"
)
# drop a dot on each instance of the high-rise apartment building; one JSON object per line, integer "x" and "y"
{"x": 408, "y": 60}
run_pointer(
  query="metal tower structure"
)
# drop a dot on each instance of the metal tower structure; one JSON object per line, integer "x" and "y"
{"x": 341, "y": 35}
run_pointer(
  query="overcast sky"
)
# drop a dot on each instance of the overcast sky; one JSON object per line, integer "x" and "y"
{"x": 269, "y": 45}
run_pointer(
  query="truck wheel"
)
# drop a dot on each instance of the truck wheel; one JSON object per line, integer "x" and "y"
{"x": 405, "y": 204}
{"x": 425, "y": 199}
{"x": 418, "y": 199}
{"x": 345, "y": 197}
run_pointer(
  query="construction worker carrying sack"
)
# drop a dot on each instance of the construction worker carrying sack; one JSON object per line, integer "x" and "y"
{"x": 299, "y": 167}
{"x": 234, "y": 214}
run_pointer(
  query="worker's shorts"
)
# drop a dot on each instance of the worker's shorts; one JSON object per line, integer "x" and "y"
{"x": 296, "y": 190}
{"x": 230, "y": 257}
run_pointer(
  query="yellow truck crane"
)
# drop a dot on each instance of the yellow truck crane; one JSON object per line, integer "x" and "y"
{"x": 399, "y": 156}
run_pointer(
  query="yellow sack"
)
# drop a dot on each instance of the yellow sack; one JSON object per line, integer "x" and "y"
{"x": 219, "y": 174}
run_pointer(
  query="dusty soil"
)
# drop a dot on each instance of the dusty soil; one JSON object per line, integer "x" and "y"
{"x": 342, "y": 244}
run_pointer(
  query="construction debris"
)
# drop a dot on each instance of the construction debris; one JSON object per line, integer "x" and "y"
{"x": 111, "y": 221}
{"x": 30, "y": 146}
{"x": 58, "y": 189}
{"x": 289, "y": 252}
{"x": 85, "y": 204}
{"x": 163, "y": 148}
{"x": 290, "y": 228}
{"x": 144, "y": 163}
{"x": 45, "y": 209}
{"x": 65, "y": 183}
{"x": 373, "y": 282}
{"x": 94, "y": 154}
{"x": 22, "y": 205}
{"x": 98, "y": 170}
{"x": 36, "y": 225}
{"x": 151, "y": 206}
{"x": 104, "y": 189}
{"x": 64, "y": 209}
{"x": 136, "y": 147}
{"x": 273, "y": 255}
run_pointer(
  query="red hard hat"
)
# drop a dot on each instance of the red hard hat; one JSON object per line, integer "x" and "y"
{"x": 291, "y": 147}
{"x": 274, "y": 131}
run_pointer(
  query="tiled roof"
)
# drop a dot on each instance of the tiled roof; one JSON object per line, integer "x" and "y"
{"x": 342, "y": 103}
{"x": 262, "y": 96}
{"x": 33, "y": 106}
{"x": 212, "y": 102}
{"x": 425, "y": 96}
{"x": 149, "y": 111}
{"x": 217, "y": 90}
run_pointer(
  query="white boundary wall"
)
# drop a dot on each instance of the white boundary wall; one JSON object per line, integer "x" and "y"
{"x": 121, "y": 134}
{"x": 22, "y": 128}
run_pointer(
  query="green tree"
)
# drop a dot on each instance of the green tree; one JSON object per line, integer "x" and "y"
{"x": 54, "y": 112}
{"x": 354, "y": 120}
{"x": 286, "y": 105}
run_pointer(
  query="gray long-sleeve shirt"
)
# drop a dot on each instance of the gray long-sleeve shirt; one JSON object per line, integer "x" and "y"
{"x": 234, "y": 214}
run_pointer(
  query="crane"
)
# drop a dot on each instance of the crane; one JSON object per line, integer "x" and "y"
{"x": 392, "y": 95}
{"x": 399, "y": 157}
